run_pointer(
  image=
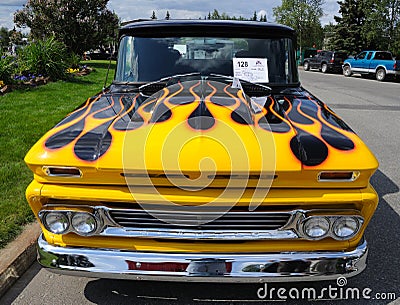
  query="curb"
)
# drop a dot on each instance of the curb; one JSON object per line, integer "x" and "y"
{"x": 18, "y": 256}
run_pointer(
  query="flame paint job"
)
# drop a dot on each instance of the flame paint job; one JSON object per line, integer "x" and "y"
{"x": 306, "y": 133}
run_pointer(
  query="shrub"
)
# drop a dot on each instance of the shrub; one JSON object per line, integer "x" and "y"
{"x": 74, "y": 61}
{"x": 47, "y": 57}
{"x": 7, "y": 66}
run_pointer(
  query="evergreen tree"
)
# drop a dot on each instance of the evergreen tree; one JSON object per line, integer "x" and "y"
{"x": 368, "y": 24}
{"x": 153, "y": 15}
{"x": 4, "y": 39}
{"x": 329, "y": 33}
{"x": 375, "y": 27}
{"x": 349, "y": 28}
{"x": 394, "y": 27}
{"x": 379, "y": 29}
{"x": 215, "y": 15}
{"x": 167, "y": 16}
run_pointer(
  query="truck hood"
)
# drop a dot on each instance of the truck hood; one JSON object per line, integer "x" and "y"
{"x": 202, "y": 128}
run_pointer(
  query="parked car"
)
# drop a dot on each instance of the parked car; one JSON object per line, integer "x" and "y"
{"x": 305, "y": 53}
{"x": 205, "y": 160}
{"x": 325, "y": 61}
{"x": 378, "y": 63}
{"x": 99, "y": 55}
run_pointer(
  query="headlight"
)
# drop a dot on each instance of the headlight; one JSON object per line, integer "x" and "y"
{"x": 56, "y": 222}
{"x": 84, "y": 223}
{"x": 316, "y": 227}
{"x": 345, "y": 227}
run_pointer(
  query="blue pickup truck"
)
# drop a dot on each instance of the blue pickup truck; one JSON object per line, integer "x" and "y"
{"x": 379, "y": 63}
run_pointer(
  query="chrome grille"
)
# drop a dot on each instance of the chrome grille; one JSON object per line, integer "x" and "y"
{"x": 231, "y": 221}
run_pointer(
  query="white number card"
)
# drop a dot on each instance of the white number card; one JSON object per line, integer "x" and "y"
{"x": 251, "y": 69}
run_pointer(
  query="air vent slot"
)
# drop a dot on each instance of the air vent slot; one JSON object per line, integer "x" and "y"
{"x": 340, "y": 176}
{"x": 67, "y": 172}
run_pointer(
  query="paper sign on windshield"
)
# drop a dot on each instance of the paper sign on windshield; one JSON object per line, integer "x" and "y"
{"x": 251, "y": 69}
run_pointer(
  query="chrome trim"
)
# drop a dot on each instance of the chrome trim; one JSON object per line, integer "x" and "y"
{"x": 285, "y": 232}
{"x": 199, "y": 234}
{"x": 353, "y": 178}
{"x": 46, "y": 170}
{"x": 293, "y": 229}
{"x": 108, "y": 227}
{"x": 202, "y": 267}
{"x": 359, "y": 220}
{"x": 331, "y": 219}
{"x": 69, "y": 214}
{"x": 305, "y": 220}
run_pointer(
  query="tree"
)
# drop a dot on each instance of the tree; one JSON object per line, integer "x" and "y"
{"x": 16, "y": 37}
{"x": 329, "y": 33}
{"x": 349, "y": 28}
{"x": 167, "y": 16}
{"x": 394, "y": 27}
{"x": 80, "y": 24}
{"x": 367, "y": 24}
{"x": 153, "y": 15}
{"x": 254, "y": 16}
{"x": 303, "y": 16}
{"x": 382, "y": 18}
{"x": 215, "y": 15}
{"x": 4, "y": 39}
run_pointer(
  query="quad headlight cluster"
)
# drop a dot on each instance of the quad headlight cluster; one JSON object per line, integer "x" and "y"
{"x": 62, "y": 222}
{"x": 337, "y": 227}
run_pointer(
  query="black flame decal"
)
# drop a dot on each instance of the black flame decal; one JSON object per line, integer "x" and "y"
{"x": 201, "y": 118}
{"x": 93, "y": 144}
{"x": 317, "y": 128}
{"x": 65, "y": 136}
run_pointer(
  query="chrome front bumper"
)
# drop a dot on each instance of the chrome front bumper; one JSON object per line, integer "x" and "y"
{"x": 202, "y": 267}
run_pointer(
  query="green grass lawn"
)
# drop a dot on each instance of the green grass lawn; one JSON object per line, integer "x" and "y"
{"x": 25, "y": 115}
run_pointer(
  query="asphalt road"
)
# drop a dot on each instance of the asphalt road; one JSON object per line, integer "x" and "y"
{"x": 372, "y": 109}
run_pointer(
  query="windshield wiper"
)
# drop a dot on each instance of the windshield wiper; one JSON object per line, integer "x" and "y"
{"x": 158, "y": 85}
{"x": 167, "y": 80}
{"x": 253, "y": 88}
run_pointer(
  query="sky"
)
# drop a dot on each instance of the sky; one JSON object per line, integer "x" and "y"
{"x": 179, "y": 9}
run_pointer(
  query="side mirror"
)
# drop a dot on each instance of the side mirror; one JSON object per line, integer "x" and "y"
{"x": 355, "y": 57}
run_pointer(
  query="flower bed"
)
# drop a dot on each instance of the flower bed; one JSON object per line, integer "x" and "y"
{"x": 27, "y": 80}
{"x": 80, "y": 71}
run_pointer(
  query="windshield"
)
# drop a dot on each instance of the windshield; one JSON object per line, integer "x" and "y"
{"x": 269, "y": 61}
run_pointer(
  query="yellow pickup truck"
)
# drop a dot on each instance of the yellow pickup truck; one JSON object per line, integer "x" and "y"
{"x": 205, "y": 160}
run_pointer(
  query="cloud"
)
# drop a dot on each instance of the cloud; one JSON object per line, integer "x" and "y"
{"x": 262, "y": 13}
{"x": 12, "y": 2}
{"x": 331, "y": 8}
{"x": 7, "y": 16}
{"x": 179, "y": 9}
{"x": 189, "y": 8}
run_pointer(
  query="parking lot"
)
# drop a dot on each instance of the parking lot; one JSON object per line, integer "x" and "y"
{"x": 372, "y": 109}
